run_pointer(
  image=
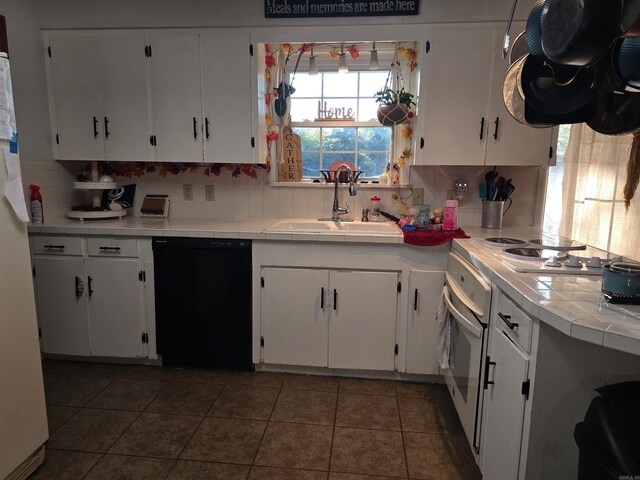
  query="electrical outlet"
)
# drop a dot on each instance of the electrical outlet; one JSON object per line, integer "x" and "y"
{"x": 418, "y": 196}
{"x": 209, "y": 193}
{"x": 187, "y": 192}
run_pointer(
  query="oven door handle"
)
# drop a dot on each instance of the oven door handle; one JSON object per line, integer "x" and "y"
{"x": 475, "y": 330}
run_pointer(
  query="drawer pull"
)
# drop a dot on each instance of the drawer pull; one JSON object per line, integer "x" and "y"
{"x": 487, "y": 365}
{"x": 335, "y": 299}
{"x": 507, "y": 319}
{"x": 415, "y": 300}
{"x": 322, "y": 298}
{"x": 109, "y": 249}
{"x": 54, "y": 247}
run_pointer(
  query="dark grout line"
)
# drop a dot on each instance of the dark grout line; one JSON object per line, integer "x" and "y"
{"x": 404, "y": 446}
{"x": 253, "y": 462}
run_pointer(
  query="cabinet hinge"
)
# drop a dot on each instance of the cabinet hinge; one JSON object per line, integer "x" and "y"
{"x": 399, "y": 287}
{"x": 428, "y": 47}
{"x": 49, "y": 50}
{"x": 253, "y": 142}
{"x": 152, "y": 141}
{"x": 33, "y": 272}
{"x": 145, "y": 337}
{"x": 142, "y": 276}
{"x": 525, "y": 388}
{"x": 57, "y": 139}
{"x": 251, "y": 49}
{"x": 395, "y": 349}
{"x": 262, "y": 341}
{"x": 147, "y": 51}
{"x": 550, "y": 152}
{"x": 39, "y": 332}
{"x": 262, "y": 282}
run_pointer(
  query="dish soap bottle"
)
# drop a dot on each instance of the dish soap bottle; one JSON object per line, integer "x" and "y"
{"x": 37, "y": 215}
{"x": 374, "y": 209}
{"x": 450, "y": 217}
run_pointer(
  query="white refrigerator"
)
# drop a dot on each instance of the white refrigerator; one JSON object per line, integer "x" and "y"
{"x": 23, "y": 417}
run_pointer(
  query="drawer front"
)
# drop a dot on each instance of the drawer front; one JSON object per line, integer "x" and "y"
{"x": 517, "y": 324}
{"x": 52, "y": 245}
{"x": 112, "y": 247}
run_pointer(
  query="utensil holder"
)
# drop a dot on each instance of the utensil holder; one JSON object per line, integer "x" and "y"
{"x": 493, "y": 211}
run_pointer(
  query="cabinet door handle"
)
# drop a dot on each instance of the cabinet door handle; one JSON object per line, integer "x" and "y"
{"x": 195, "y": 128}
{"x": 482, "y": 128}
{"x": 206, "y": 127}
{"x": 79, "y": 287}
{"x": 90, "y": 282}
{"x": 495, "y": 132}
{"x": 487, "y": 364}
{"x": 335, "y": 299}
{"x": 322, "y": 298}
{"x": 95, "y": 127}
{"x": 107, "y": 249}
{"x": 507, "y": 319}
{"x": 54, "y": 247}
{"x": 106, "y": 127}
{"x": 415, "y": 300}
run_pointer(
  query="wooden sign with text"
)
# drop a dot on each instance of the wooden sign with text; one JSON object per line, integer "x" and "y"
{"x": 290, "y": 165}
{"x": 339, "y": 8}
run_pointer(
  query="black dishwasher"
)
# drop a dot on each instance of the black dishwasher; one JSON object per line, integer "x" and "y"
{"x": 203, "y": 302}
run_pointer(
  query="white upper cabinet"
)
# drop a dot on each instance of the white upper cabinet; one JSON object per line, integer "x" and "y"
{"x": 175, "y": 97}
{"x": 99, "y": 88}
{"x": 465, "y": 121}
{"x": 201, "y": 97}
{"x": 226, "y": 98}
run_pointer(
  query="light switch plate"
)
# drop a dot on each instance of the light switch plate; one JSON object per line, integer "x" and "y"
{"x": 187, "y": 192}
{"x": 451, "y": 195}
{"x": 209, "y": 193}
{"x": 418, "y": 196}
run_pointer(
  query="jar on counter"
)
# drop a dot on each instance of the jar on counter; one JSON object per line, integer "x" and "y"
{"x": 375, "y": 205}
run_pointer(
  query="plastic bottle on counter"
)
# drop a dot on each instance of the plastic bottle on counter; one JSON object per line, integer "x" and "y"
{"x": 374, "y": 208}
{"x": 450, "y": 216}
{"x": 37, "y": 213}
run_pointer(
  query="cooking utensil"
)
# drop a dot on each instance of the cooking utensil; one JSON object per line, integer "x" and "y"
{"x": 628, "y": 61}
{"x": 621, "y": 279}
{"x": 542, "y": 91}
{"x": 519, "y": 47}
{"x": 630, "y": 21}
{"x": 579, "y": 32}
{"x": 501, "y": 184}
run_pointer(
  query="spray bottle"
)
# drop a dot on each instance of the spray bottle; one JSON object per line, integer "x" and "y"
{"x": 37, "y": 214}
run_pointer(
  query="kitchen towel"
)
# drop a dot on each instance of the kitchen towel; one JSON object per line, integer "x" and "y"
{"x": 442, "y": 318}
{"x": 431, "y": 238}
{"x": 13, "y": 187}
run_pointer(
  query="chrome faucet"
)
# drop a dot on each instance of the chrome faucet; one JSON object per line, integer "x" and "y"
{"x": 336, "y": 211}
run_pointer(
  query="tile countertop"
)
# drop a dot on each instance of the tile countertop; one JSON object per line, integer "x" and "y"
{"x": 571, "y": 304}
{"x": 202, "y": 227}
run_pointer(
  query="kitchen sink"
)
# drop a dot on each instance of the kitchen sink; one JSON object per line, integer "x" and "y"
{"x": 328, "y": 226}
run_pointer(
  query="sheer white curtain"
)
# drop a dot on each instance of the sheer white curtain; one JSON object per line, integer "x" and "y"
{"x": 592, "y": 190}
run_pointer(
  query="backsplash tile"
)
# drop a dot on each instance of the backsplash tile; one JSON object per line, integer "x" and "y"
{"x": 244, "y": 197}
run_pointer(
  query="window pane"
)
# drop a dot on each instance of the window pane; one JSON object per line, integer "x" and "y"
{"x": 374, "y": 138}
{"x": 307, "y": 85}
{"x": 302, "y": 110}
{"x": 339, "y": 108}
{"x": 310, "y": 164}
{"x": 329, "y": 158}
{"x": 340, "y": 84}
{"x": 368, "y": 110}
{"x": 373, "y": 164}
{"x": 372, "y": 82}
{"x": 339, "y": 139}
{"x": 310, "y": 138}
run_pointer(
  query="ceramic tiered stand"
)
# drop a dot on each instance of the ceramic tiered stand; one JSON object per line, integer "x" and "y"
{"x": 98, "y": 187}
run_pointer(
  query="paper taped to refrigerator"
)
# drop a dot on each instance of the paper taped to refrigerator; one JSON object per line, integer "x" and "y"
{"x": 13, "y": 188}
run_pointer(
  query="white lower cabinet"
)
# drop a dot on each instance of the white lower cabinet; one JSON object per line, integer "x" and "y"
{"x": 329, "y": 318}
{"x": 505, "y": 395}
{"x": 114, "y": 307}
{"x": 425, "y": 288}
{"x": 92, "y": 304}
{"x": 62, "y": 305}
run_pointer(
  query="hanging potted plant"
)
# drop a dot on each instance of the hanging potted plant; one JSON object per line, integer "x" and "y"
{"x": 394, "y": 106}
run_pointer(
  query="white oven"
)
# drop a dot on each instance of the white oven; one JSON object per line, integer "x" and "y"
{"x": 468, "y": 299}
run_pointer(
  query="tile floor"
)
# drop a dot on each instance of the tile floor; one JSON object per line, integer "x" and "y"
{"x": 132, "y": 422}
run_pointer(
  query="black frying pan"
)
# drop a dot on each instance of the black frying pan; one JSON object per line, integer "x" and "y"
{"x": 579, "y": 32}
